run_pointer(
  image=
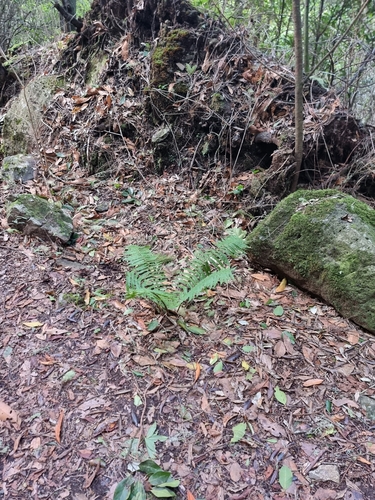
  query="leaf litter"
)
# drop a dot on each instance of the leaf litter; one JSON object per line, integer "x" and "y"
{"x": 225, "y": 412}
{"x": 253, "y": 387}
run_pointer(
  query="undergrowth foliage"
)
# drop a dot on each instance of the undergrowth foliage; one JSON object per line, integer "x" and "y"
{"x": 206, "y": 270}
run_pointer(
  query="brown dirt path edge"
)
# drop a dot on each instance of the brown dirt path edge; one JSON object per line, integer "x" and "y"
{"x": 87, "y": 378}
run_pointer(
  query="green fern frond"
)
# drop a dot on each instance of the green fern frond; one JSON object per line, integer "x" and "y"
{"x": 233, "y": 245}
{"x": 136, "y": 287}
{"x": 203, "y": 263}
{"x": 206, "y": 270}
{"x": 223, "y": 275}
{"x": 148, "y": 266}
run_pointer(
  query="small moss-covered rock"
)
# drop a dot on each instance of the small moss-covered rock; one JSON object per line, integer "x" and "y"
{"x": 18, "y": 168}
{"x": 22, "y": 121}
{"x": 325, "y": 242}
{"x": 36, "y": 216}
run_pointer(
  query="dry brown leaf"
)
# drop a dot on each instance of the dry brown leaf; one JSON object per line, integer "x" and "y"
{"x": 235, "y": 471}
{"x": 189, "y": 495}
{"x": 179, "y": 363}
{"x": 197, "y": 371}
{"x": 313, "y": 381}
{"x": 87, "y": 297}
{"x": 118, "y": 305}
{"x": 289, "y": 346}
{"x": 279, "y": 349}
{"x": 7, "y": 413}
{"x": 205, "y": 404}
{"x": 353, "y": 338}
{"x": 85, "y": 453}
{"x": 344, "y": 401}
{"x": 308, "y": 354}
{"x": 144, "y": 360}
{"x": 116, "y": 348}
{"x": 363, "y": 461}
{"x": 125, "y": 49}
{"x": 260, "y": 277}
{"x": 346, "y": 369}
{"x": 58, "y": 426}
{"x": 272, "y": 427}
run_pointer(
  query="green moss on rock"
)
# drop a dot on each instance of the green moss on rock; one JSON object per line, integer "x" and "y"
{"x": 36, "y": 216}
{"x": 325, "y": 242}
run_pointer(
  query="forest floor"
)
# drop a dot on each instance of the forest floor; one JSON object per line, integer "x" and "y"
{"x": 270, "y": 384}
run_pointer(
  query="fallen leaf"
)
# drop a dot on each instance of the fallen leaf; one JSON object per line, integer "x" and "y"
{"x": 144, "y": 360}
{"x": 189, "y": 495}
{"x": 260, "y": 277}
{"x": 364, "y": 461}
{"x": 179, "y": 363}
{"x": 272, "y": 427}
{"x": 235, "y": 471}
{"x": 118, "y": 305}
{"x": 7, "y": 413}
{"x": 279, "y": 349}
{"x": 282, "y": 286}
{"x": 313, "y": 381}
{"x": 32, "y": 324}
{"x": 346, "y": 369}
{"x": 353, "y": 338}
{"x": 205, "y": 404}
{"x": 58, "y": 426}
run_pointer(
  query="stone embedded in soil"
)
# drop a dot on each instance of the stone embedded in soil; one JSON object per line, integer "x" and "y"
{"x": 160, "y": 135}
{"x": 368, "y": 404}
{"x": 325, "y": 473}
{"x": 18, "y": 168}
{"x": 323, "y": 241}
{"x": 38, "y": 217}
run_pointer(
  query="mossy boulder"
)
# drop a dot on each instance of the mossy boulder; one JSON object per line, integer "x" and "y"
{"x": 22, "y": 121}
{"x": 38, "y": 217}
{"x": 18, "y": 168}
{"x": 324, "y": 241}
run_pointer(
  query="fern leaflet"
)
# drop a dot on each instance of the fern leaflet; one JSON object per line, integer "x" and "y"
{"x": 206, "y": 270}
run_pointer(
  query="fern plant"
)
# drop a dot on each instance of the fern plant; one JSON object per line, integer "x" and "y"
{"x": 206, "y": 270}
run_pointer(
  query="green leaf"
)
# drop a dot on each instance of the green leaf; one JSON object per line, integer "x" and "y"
{"x": 280, "y": 395}
{"x": 285, "y": 477}
{"x": 163, "y": 493}
{"x": 290, "y": 337}
{"x": 138, "y": 491}
{"x": 196, "y": 330}
{"x": 123, "y": 489}
{"x": 149, "y": 467}
{"x": 153, "y": 325}
{"x": 151, "y": 430}
{"x": 174, "y": 483}
{"x": 150, "y": 440}
{"x": 69, "y": 376}
{"x": 159, "y": 477}
{"x": 278, "y": 311}
{"x": 137, "y": 400}
{"x": 248, "y": 348}
{"x": 239, "y": 431}
{"x": 218, "y": 368}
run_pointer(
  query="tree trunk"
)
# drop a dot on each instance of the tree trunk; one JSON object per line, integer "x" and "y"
{"x": 67, "y": 12}
{"x": 298, "y": 112}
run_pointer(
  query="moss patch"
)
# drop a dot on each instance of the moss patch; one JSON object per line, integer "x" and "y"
{"x": 324, "y": 241}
